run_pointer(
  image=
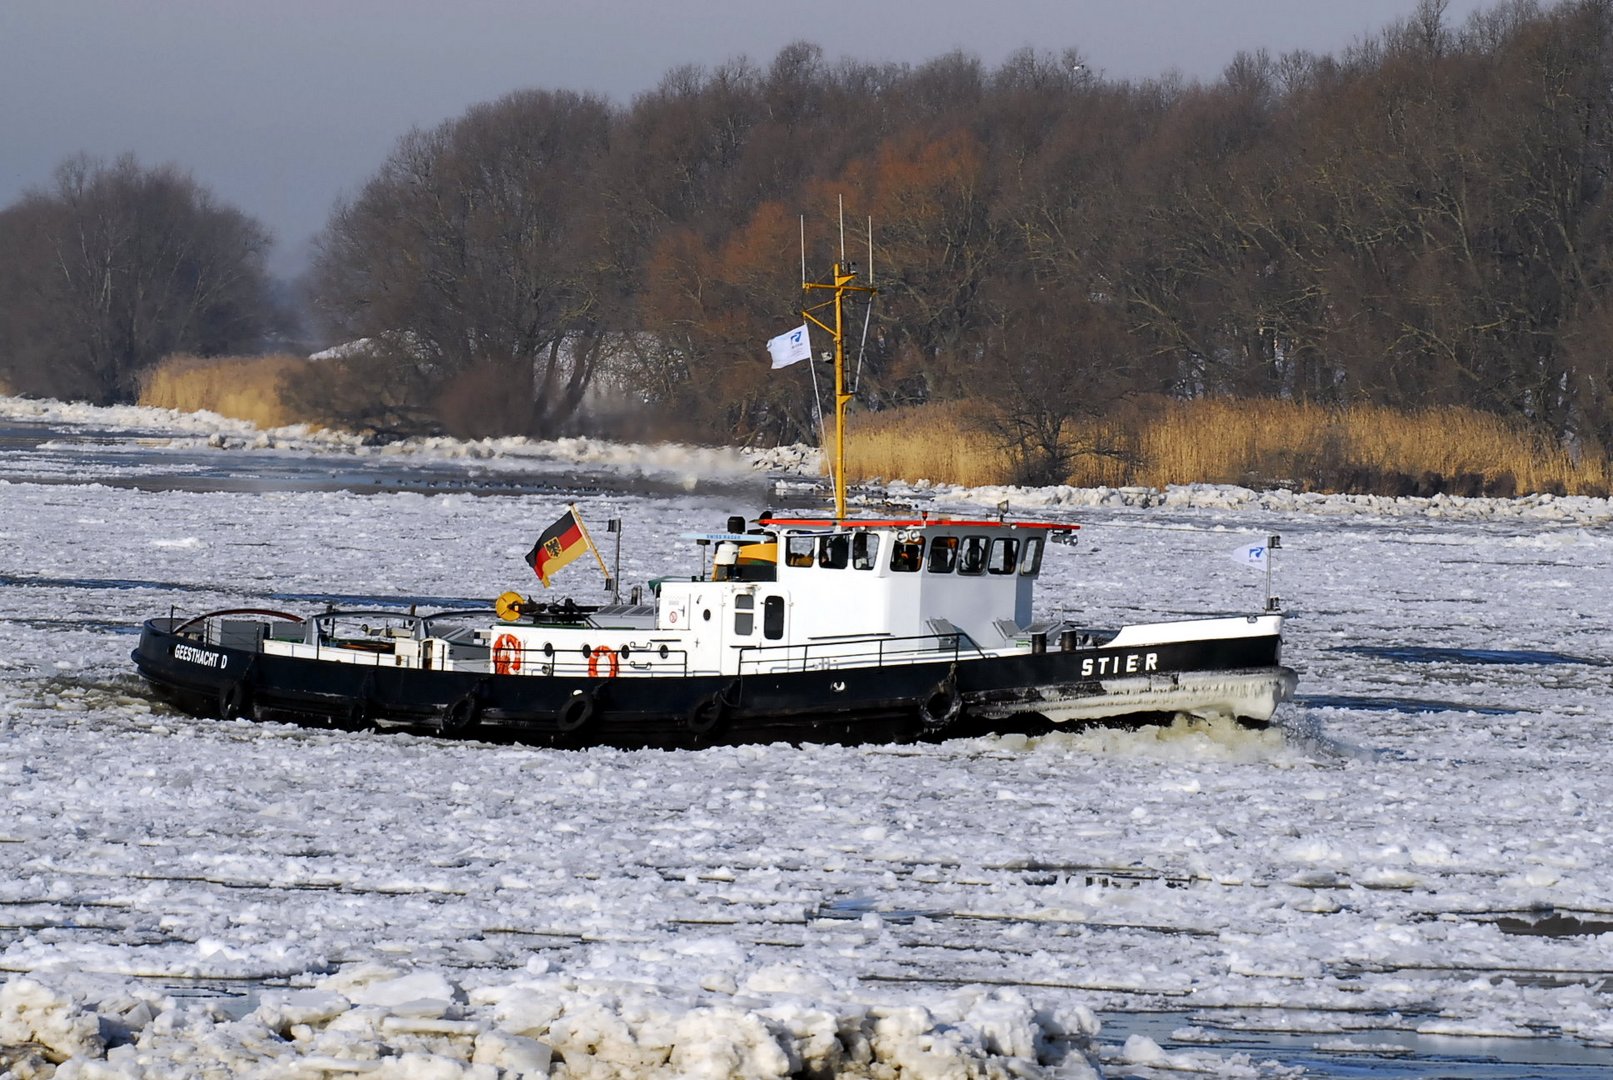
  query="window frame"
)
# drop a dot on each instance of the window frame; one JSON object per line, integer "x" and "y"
{"x": 828, "y": 544}
{"x": 869, "y": 543}
{"x": 915, "y": 548}
{"x": 975, "y": 541}
{"x": 946, "y": 547}
{"x": 1003, "y": 543}
{"x": 1030, "y": 555}
{"x": 800, "y": 550}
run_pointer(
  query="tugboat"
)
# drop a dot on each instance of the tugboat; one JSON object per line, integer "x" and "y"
{"x": 834, "y": 629}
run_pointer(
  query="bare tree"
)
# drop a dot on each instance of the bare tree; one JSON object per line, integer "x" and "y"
{"x": 1423, "y": 220}
{"x": 117, "y": 266}
{"x": 471, "y": 262}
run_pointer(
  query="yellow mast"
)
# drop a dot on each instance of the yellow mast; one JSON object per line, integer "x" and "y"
{"x": 843, "y": 277}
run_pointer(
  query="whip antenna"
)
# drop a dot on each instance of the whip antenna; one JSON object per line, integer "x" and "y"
{"x": 868, "y": 313}
{"x": 870, "y": 255}
{"x": 842, "y": 199}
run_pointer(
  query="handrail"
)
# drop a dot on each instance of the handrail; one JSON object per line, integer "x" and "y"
{"x": 884, "y": 651}
{"x": 580, "y": 661}
{"x": 262, "y": 612}
{"x": 380, "y": 613}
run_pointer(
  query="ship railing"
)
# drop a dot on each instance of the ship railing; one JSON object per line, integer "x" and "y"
{"x": 881, "y": 651}
{"x": 237, "y": 628}
{"x": 601, "y": 661}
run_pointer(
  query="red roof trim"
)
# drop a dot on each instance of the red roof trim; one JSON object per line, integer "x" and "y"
{"x": 920, "y": 523}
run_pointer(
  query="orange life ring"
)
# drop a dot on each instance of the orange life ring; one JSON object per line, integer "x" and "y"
{"x": 507, "y": 654}
{"x": 606, "y": 652}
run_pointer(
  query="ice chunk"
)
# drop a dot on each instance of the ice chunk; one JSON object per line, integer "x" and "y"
{"x": 425, "y": 994}
{"x": 31, "y": 1012}
{"x": 281, "y": 1011}
{"x": 514, "y": 1054}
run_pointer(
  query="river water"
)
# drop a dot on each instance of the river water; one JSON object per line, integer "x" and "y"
{"x": 1407, "y": 879}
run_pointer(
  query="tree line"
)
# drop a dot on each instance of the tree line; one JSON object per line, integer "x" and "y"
{"x": 1419, "y": 220}
{"x": 115, "y": 267}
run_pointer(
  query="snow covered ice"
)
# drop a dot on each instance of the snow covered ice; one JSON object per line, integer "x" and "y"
{"x": 1422, "y": 846}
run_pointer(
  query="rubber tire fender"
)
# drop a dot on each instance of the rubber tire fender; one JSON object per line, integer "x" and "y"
{"x": 707, "y": 716}
{"x": 575, "y": 713}
{"x": 941, "y": 705}
{"x": 235, "y": 701}
{"x": 461, "y": 716}
{"x": 361, "y": 709}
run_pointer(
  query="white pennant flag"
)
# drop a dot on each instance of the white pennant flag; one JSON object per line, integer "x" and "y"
{"x": 1254, "y": 556}
{"x": 788, "y": 348}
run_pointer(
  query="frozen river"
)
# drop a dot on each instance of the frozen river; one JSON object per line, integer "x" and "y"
{"x": 1413, "y": 868}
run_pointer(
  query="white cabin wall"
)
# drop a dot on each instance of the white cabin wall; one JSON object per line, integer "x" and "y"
{"x": 972, "y": 603}
{"x": 845, "y": 601}
{"x": 682, "y": 610}
{"x": 1024, "y": 594}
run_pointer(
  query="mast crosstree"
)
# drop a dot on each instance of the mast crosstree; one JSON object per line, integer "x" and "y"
{"x": 843, "y": 281}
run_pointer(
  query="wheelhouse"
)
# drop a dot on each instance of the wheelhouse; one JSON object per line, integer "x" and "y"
{"x": 908, "y": 578}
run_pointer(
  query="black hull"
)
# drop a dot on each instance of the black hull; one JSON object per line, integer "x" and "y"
{"x": 894, "y": 703}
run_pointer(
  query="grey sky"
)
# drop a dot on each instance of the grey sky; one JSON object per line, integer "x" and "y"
{"x": 281, "y": 106}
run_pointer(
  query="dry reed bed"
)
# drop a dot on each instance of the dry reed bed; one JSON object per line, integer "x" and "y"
{"x": 1259, "y": 443}
{"x": 932, "y": 442}
{"x": 241, "y": 387}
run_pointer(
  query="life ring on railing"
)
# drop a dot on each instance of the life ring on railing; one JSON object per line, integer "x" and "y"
{"x": 613, "y": 662}
{"x": 506, "y": 654}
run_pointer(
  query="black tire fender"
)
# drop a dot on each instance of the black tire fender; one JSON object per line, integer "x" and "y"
{"x": 235, "y": 701}
{"x": 461, "y": 716}
{"x": 706, "y": 716}
{"x": 575, "y": 712}
{"x": 361, "y": 710}
{"x": 941, "y": 705}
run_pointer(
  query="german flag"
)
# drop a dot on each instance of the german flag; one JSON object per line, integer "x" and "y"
{"x": 560, "y": 543}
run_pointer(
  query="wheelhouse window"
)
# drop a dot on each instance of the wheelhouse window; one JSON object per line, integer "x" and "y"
{"x": 907, "y": 555}
{"x": 744, "y": 615}
{"x": 1030, "y": 561}
{"x": 972, "y": 555}
{"x": 800, "y": 550}
{"x": 1004, "y": 554}
{"x": 833, "y": 551}
{"x": 864, "y": 550}
{"x": 773, "y": 618}
{"x": 943, "y": 554}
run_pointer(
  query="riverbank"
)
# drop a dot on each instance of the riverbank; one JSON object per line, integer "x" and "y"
{"x": 1155, "y": 442}
{"x": 1254, "y": 443}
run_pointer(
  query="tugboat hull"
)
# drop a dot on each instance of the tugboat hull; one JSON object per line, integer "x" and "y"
{"x": 1238, "y": 677}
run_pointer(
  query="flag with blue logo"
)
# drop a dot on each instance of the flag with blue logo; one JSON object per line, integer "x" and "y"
{"x": 788, "y": 348}
{"x": 1254, "y": 556}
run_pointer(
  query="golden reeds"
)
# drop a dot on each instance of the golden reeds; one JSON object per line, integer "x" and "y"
{"x": 1258, "y": 442}
{"x": 1153, "y": 442}
{"x": 241, "y": 387}
{"x": 935, "y": 442}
